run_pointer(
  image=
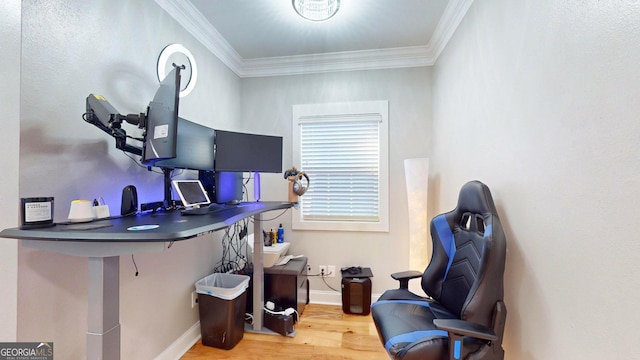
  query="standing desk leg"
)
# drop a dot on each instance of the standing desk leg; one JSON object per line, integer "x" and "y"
{"x": 103, "y": 334}
{"x": 258, "y": 273}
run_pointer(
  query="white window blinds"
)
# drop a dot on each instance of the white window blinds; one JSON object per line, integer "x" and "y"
{"x": 344, "y": 148}
{"x": 343, "y": 155}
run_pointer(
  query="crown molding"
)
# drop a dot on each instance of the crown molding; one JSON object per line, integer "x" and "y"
{"x": 451, "y": 19}
{"x": 339, "y": 61}
{"x": 197, "y": 25}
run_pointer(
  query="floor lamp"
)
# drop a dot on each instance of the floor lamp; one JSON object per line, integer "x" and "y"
{"x": 417, "y": 179}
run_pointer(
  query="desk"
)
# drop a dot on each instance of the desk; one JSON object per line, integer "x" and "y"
{"x": 103, "y": 241}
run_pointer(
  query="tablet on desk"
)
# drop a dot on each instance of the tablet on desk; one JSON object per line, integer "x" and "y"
{"x": 191, "y": 193}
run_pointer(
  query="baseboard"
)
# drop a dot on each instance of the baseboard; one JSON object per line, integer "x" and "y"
{"x": 325, "y": 297}
{"x": 182, "y": 344}
{"x": 331, "y": 297}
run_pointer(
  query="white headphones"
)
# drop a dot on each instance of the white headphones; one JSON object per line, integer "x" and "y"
{"x": 299, "y": 188}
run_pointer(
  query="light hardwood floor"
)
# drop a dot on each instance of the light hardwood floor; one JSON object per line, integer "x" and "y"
{"x": 324, "y": 332}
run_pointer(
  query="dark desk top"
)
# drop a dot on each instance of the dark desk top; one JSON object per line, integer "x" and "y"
{"x": 171, "y": 226}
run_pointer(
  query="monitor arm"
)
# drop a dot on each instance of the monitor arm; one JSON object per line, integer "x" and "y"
{"x": 105, "y": 117}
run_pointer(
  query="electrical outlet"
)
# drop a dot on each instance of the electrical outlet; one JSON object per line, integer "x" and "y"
{"x": 331, "y": 271}
{"x": 308, "y": 268}
{"x": 322, "y": 270}
{"x": 194, "y": 299}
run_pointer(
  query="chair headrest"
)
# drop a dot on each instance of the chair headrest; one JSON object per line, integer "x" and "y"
{"x": 475, "y": 197}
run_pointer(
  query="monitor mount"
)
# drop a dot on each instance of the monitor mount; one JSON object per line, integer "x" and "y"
{"x": 106, "y": 118}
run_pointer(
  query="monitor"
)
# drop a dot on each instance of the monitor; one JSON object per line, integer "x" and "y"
{"x": 191, "y": 192}
{"x": 162, "y": 121}
{"x": 194, "y": 148}
{"x": 239, "y": 152}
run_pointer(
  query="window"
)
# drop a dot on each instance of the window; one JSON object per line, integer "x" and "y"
{"x": 343, "y": 147}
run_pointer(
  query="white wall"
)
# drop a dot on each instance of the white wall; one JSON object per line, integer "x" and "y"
{"x": 545, "y": 94}
{"x": 540, "y": 100}
{"x": 108, "y": 47}
{"x": 10, "y": 140}
{"x": 267, "y": 107}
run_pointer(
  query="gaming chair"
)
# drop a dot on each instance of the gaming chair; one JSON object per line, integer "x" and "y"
{"x": 463, "y": 315}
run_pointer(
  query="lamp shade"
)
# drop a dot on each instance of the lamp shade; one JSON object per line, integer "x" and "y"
{"x": 417, "y": 180}
{"x": 81, "y": 211}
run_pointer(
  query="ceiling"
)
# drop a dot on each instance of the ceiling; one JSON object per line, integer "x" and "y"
{"x": 268, "y": 38}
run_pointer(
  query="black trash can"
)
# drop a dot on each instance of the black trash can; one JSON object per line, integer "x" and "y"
{"x": 221, "y": 301}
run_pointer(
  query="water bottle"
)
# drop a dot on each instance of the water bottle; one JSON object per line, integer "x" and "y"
{"x": 280, "y": 234}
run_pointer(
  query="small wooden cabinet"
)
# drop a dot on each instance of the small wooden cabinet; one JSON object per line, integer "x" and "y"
{"x": 287, "y": 285}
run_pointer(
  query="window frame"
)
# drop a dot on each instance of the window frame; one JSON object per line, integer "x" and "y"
{"x": 347, "y": 110}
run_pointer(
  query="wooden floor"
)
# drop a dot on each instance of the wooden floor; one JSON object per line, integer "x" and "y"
{"x": 323, "y": 333}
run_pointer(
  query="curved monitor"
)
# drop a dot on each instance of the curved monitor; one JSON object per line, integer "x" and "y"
{"x": 194, "y": 148}
{"x": 162, "y": 121}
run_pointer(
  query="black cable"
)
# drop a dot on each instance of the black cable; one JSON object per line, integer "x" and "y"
{"x": 134, "y": 138}
{"x": 225, "y": 260}
{"x": 237, "y": 244}
{"x": 282, "y": 213}
{"x": 232, "y": 258}
{"x": 329, "y": 286}
{"x": 323, "y": 276}
{"x": 221, "y": 264}
{"x": 138, "y": 163}
{"x": 245, "y": 193}
{"x": 134, "y": 264}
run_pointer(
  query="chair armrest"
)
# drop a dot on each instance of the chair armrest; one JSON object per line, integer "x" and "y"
{"x": 466, "y": 328}
{"x": 458, "y": 329}
{"x": 405, "y": 276}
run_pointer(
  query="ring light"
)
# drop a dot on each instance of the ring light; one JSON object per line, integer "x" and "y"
{"x": 163, "y": 60}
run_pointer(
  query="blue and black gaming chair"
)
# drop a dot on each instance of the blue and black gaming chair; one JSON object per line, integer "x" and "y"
{"x": 464, "y": 315}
